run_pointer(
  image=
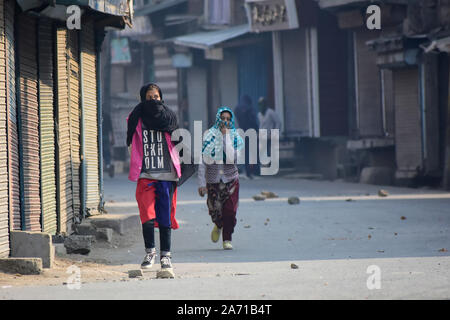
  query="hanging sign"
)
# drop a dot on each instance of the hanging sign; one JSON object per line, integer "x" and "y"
{"x": 271, "y": 15}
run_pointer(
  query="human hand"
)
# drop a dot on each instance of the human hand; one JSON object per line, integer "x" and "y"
{"x": 202, "y": 191}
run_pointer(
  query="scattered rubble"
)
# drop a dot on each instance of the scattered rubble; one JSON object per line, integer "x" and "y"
{"x": 269, "y": 194}
{"x": 78, "y": 244}
{"x": 21, "y": 266}
{"x": 135, "y": 273}
{"x": 293, "y": 200}
{"x": 259, "y": 197}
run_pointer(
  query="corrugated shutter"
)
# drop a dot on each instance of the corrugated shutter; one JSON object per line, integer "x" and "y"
{"x": 29, "y": 123}
{"x": 13, "y": 144}
{"x": 47, "y": 127}
{"x": 295, "y": 83}
{"x": 90, "y": 125}
{"x": 166, "y": 77}
{"x": 368, "y": 86}
{"x": 75, "y": 115}
{"x": 431, "y": 113}
{"x": 4, "y": 228}
{"x": 388, "y": 101}
{"x": 408, "y": 132}
{"x": 333, "y": 81}
{"x": 63, "y": 160}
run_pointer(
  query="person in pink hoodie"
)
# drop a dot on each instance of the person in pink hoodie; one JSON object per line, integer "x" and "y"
{"x": 155, "y": 166}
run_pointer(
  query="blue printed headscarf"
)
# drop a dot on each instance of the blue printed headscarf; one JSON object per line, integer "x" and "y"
{"x": 213, "y": 143}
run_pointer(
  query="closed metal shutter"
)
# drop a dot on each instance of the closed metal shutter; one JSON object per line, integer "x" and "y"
{"x": 63, "y": 159}
{"x": 89, "y": 112}
{"x": 166, "y": 77}
{"x": 430, "y": 100}
{"x": 47, "y": 127}
{"x": 13, "y": 144}
{"x": 333, "y": 77}
{"x": 408, "y": 142}
{"x": 4, "y": 229}
{"x": 29, "y": 123}
{"x": 75, "y": 115}
{"x": 295, "y": 83}
{"x": 370, "y": 120}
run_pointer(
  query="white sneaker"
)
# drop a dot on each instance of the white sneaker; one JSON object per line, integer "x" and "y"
{"x": 149, "y": 260}
{"x": 166, "y": 271}
{"x": 227, "y": 245}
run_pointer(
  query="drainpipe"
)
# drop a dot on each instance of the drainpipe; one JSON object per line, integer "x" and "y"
{"x": 82, "y": 133}
{"x": 19, "y": 125}
{"x": 423, "y": 112}
{"x": 99, "y": 37}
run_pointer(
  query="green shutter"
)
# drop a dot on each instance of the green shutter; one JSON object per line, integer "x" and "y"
{"x": 63, "y": 160}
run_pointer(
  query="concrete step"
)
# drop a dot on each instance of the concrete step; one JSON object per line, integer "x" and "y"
{"x": 25, "y": 266}
{"x": 120, "y": 223}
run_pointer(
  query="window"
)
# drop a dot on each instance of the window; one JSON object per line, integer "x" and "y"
{"x": 218, "y": 12}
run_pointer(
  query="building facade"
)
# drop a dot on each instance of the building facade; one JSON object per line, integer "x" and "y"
{"x": 356, "y": 103}
{"x": 50, "y": 122}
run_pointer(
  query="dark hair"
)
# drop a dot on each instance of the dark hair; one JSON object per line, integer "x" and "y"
{"x": 150, "y": 86}
{"x": 231, "y": 115}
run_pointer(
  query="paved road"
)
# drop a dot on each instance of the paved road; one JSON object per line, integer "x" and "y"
{"x": 343, "y": 249}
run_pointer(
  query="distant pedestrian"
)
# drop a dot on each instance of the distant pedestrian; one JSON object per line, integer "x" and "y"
{"x": 248, "y": 119}
{"x": 219, "y": 177}
{"x": 268, "y": 120}
{"x": 155, "y": 166}
{"x": 108, "y": 143}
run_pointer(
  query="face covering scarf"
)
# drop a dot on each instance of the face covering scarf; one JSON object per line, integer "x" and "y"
{"x": 154, "y": 114}
{"x": 213, "y": 142}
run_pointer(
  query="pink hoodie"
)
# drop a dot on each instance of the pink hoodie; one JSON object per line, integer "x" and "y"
{"x": 137, "y": 153}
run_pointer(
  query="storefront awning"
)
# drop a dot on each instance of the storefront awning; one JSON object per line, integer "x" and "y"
{"x": 207, "y": 40}
{"x": 111, "y": 7}
{"x": 116, "y": 12}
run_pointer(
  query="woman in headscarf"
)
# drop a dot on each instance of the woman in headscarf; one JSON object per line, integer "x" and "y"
{"x": 219, "y": 177}
{"x": 155, "y": 165}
